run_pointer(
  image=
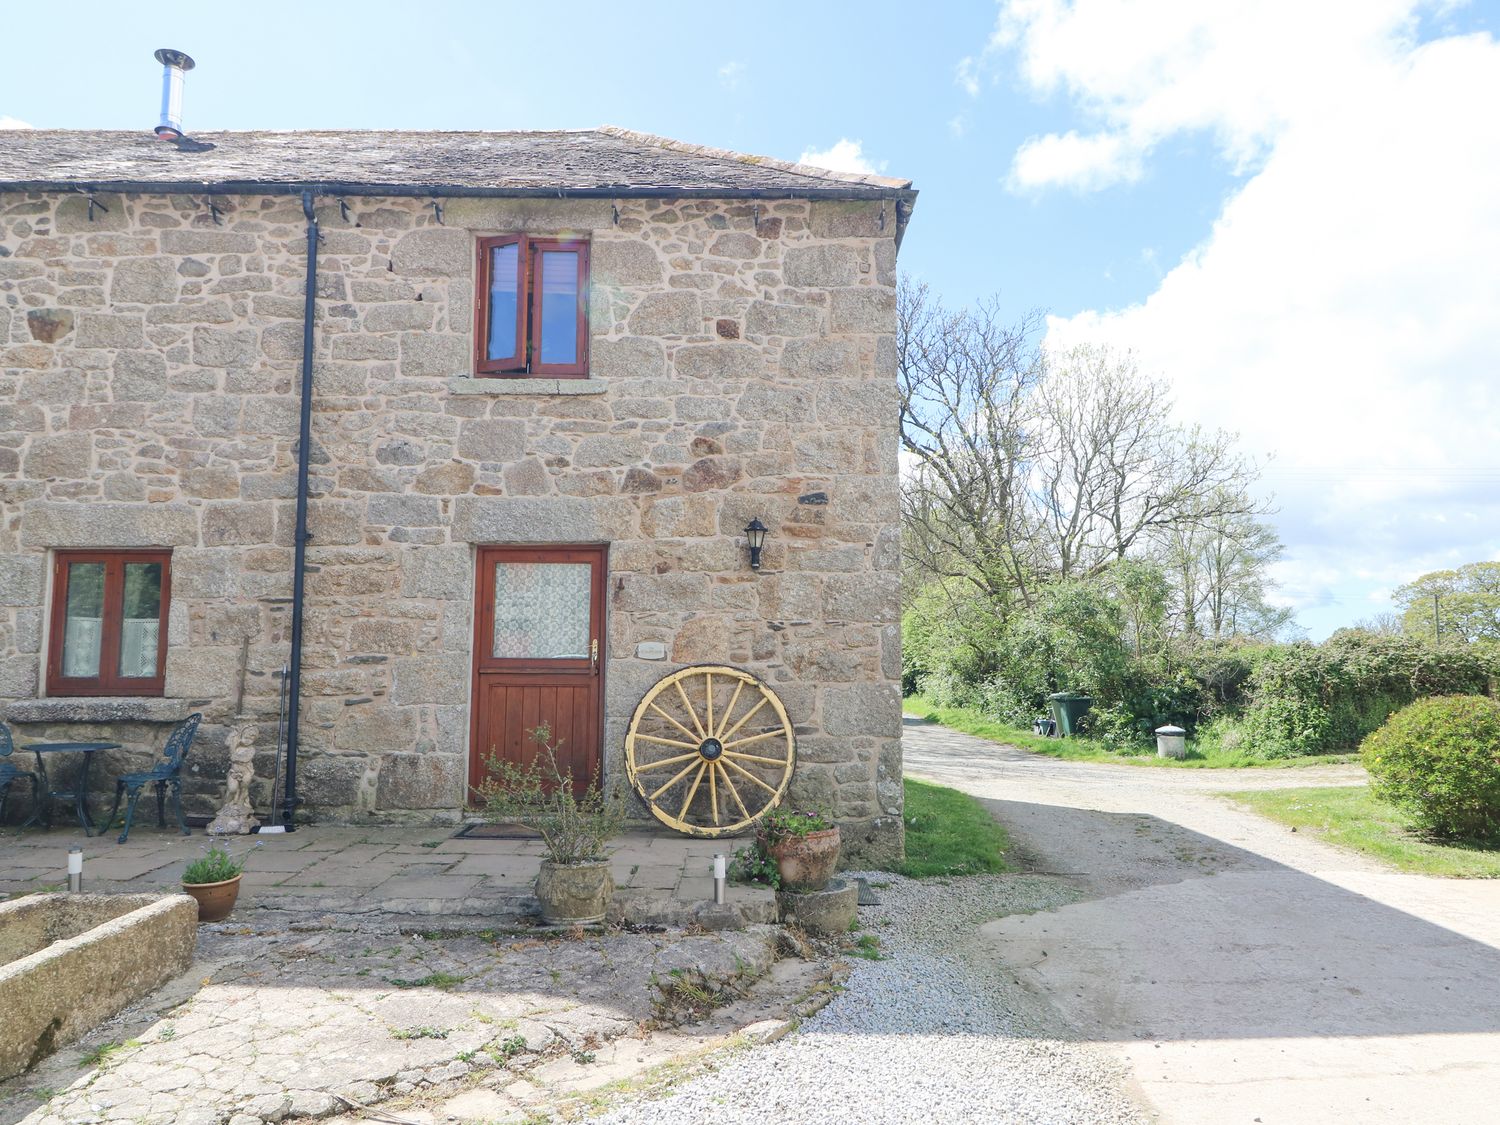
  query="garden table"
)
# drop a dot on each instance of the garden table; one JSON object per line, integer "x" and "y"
{"x": 78, "y": 794}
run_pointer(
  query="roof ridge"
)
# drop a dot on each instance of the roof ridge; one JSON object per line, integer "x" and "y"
{"x": 810, "y": 170}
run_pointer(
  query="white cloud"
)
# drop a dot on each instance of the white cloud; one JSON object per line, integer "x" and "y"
{"x": 1071, "y": 160}
{"x": 966, "y": 75}
{"x": 844, "y": 156}
{"x": 14, "y": 123}
{"x": 732, "y": 75}
{"x": 1341, "y": 309}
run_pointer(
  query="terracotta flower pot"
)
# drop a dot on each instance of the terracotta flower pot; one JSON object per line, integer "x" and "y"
{"x": 806, "y": 862}
{"x": 574, "y": 894}
{"x": 215, "y": 900}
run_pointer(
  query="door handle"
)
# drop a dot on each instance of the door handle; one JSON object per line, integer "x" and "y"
{"x": 594, "y": 655}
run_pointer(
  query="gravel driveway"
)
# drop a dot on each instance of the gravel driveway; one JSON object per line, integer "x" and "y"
{"x": 1244, "y": 972}
{"x": 932, "y": 1033}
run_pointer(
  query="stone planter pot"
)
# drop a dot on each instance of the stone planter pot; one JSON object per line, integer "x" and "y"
{"x": 215, "y": 900}
{"x": 806, "y": 862}
{"x": 574, "y": 894}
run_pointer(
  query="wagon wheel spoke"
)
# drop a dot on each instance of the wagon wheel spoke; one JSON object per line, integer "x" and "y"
{"x": 671, "y": 720}
{"x": 672, "y": 761}
{"x": 697, "y": 736}
{"x": 745, "y": 718}
{"x": 687, "y": 769}
{"x": 692, "y": 791}
{"x": 733, "y": 792}
{"x": 691, "y": 713}
{"x": 749, "y": 776}
{"x": 754, "y": 758}
{"x": 668, "y": 741}
{"x": 728, "y": 711}
{"x": 753, "y": 738}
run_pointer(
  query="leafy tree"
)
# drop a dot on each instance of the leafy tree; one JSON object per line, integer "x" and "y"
{"x": 1462, "y": 604}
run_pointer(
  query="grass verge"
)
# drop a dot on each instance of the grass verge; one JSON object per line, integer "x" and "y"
{"x": 1353, "y": 817}
{"x": 1084, "y": 750}
{"x": 950, "y": 833}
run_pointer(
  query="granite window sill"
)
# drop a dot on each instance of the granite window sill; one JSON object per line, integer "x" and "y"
{"x": 465, "y": 385}
{"x": 99, "y": 709}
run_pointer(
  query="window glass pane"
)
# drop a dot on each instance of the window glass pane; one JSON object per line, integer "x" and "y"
{"x": 542, "y": 610}
{"x": 503, "y": 284}
{"x": 141, "y": 628}
{"x": 83, "y": 623}
{"x": 559, "y": 296}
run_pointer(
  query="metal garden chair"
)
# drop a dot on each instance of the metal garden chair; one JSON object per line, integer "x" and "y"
{"x": 166, "y": 772}
{"x": 10, "y": 773}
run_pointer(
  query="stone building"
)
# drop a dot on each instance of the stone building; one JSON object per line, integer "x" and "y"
{"x": 601, "y": 350}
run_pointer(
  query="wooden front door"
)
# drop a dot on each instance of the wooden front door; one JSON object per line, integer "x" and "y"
{"x": 539, "y": 628}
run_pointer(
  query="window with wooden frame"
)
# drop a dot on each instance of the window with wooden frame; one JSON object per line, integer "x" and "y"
{"x": 108, "y": 632}
{"x": 532, "y": 315}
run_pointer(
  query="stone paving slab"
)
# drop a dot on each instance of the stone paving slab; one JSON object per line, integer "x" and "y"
{"x": 661, "y": 879}
{"x": 274, "y": 1024}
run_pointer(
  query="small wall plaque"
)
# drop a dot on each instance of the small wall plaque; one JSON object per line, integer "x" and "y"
{"x": 651, "y": 650}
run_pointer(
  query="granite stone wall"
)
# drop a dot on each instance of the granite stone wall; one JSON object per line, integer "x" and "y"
{"x": 742, "y": 365}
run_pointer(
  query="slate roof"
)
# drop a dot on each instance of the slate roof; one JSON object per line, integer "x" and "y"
{"x": 597, "y": 162}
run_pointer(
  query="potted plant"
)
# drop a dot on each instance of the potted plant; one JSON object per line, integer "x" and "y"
{"x": 805, "y": 846}
{"x": 214, "y": 880}
{"x": 574, "y": 884}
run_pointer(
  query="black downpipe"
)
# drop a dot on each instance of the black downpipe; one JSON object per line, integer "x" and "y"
{"x": 290, "y": 800}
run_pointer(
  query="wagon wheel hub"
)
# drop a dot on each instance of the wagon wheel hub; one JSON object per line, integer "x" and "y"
{"x": 710, "y": 749}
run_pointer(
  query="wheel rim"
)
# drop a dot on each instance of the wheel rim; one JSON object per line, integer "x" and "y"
{"x": 710, "y": 750}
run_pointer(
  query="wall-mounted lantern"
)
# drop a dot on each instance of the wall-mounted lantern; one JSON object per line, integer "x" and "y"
{"x": 755, "y": 535}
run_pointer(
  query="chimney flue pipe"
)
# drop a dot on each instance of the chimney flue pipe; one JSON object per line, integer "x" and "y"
{"x": 174, "y": 65}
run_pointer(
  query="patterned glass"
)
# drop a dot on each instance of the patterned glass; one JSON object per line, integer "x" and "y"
{"x": 542, "y": 610}
{"x": 141, "y": 628}
{"x": 83, "y": 625}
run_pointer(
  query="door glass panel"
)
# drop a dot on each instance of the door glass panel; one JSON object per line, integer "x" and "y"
{"x": 83, "y": 626}
{"x": 542, "y": 610}
{"x": 141, "y": 627}
{"x": 559, "y": 306}
{"x": 503, "y": 296}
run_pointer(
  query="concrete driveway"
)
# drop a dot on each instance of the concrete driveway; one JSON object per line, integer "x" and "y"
{"x": 1244, "y": 972}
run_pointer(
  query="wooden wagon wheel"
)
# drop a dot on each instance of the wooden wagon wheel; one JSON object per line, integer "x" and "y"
{"x": 710, "y": 750}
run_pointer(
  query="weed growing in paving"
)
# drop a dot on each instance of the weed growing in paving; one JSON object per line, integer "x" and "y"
{"x": 867, "y": 946}
{"x": 431, "y": 980}
{"x": 503, "y": 1050}
{"x": 419, "y": 1033}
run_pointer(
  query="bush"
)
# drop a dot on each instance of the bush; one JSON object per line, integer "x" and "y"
{"x": 1439, "y": 761}
{"x": 1321, "y": 699}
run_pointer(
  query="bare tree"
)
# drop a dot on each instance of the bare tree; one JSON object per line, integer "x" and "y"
{"x": 1110, "y": 468}
{"x": 966, "y": 381}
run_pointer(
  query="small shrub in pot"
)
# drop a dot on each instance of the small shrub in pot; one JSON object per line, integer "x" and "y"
{"x": 214, "y": 880}
{"x": 574, "y": 885}
{"x": 1439, "y": 760}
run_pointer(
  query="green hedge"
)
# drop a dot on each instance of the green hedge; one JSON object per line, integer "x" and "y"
{"x": 1323, "y": 699}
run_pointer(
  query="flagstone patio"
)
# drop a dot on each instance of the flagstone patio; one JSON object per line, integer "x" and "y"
{"x": 415, "y": 877}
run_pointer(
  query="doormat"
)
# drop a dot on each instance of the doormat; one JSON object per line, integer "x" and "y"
{"x": 496, "y": 832}
{"x": 866, "y": 894}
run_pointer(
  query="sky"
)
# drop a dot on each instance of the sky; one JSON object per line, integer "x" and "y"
{"x": 1288, "y": 209}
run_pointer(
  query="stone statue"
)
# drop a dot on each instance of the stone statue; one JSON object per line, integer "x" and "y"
{"x": 237, "y": 816}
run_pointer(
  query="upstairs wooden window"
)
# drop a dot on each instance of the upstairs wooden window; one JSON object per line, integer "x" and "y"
{"x": 109, "y": 623}
{"x": 532, "y": 314}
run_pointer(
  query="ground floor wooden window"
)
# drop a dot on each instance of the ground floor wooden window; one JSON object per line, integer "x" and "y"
{"x": 108, "y": 632}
